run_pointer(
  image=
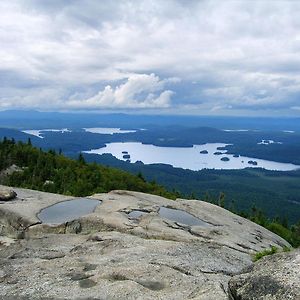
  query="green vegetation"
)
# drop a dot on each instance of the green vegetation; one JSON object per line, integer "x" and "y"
{"x": 265, "y": 252}
{"x": 52, "y": 172}
{"x": 276, "y": 225}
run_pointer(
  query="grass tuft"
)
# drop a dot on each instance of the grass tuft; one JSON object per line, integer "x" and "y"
{"x": 265, "y": 252}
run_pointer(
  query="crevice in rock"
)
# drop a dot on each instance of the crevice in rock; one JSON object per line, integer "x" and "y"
{"x": 223, "y": 288}
{"x": 232, "y": 294}
{"x": 244, "y": 246}
{"x": 223, "y": 272}
{"x": 33, "y": 224}
{"x": 236, "y": 249}
{"x": 176, "y": 268}
{"x": 198, "y": 234}
{"x": 149, "y": 284}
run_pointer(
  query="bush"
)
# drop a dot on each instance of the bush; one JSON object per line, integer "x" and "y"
{"x": 265, "y": 252}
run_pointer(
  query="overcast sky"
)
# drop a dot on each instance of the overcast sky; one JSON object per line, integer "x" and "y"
{"x": 166, "y": 56}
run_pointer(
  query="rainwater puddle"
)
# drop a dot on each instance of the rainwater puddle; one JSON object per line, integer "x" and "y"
{"x": 180, "y": 216}
{"x": 67, "y": 210}
{"x": 175, "y": 215}
{"x": 135, "y": 214}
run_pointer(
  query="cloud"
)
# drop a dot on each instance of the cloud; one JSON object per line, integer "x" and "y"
{"x": 230, "y": 55}
{"x": 139, "y": 91}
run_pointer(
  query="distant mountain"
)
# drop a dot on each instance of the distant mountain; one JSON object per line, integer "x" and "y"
{"x": 30, "y": 119}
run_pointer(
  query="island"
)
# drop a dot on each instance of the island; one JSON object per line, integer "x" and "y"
{"x": 236, "y": 155}
{"x": 126, "y": 156}
{"x": 218, "y": 153}
{"x": 124, "y": 152}
{"x": 204, "y": 152}
{"x": 225, "y": 159}
{"x": 252, "y": 162}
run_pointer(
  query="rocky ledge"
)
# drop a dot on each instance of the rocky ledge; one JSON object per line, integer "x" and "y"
{"x": 274, "y": 277}
{"x": 114, "y": 253}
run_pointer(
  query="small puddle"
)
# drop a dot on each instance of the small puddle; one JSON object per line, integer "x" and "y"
{"x": 135, "y": 214}
{"x": 67, "y": 210}
{"x": 180, "y": 216}
{"x": 175, "y": 215}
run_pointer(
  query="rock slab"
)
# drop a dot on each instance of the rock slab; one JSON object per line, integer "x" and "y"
{"x": 110, "y": 255}
{"x": 273, "y": 277}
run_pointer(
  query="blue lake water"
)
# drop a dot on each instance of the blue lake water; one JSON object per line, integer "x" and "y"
{"x": 106, "y": 130}
{"x": 188, "y": 158}
{"x": 39, "y": 132}
{"x": 99, "y": 130}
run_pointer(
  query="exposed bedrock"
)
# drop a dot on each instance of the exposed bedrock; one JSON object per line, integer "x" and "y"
{"x": 109, "y": 254}
{"x": 274, "y": 277}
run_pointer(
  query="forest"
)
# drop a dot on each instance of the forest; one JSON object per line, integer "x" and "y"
{"x": 52, "y": 172}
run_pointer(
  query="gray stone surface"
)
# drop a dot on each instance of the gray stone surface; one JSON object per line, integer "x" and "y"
{"x": 273, "y": 277}
{"x": 114, "y": 256}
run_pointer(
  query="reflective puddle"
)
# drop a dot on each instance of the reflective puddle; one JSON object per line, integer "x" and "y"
{"x": 67, "y": 210}
{"x": 175, "y": 215}
{"x": 135, "y": 214}
{"x": 180, "y": 216}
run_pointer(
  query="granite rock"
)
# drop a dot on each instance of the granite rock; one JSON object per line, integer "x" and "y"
{"x": 108, "y": 254}
{"x": 274, "y": 277}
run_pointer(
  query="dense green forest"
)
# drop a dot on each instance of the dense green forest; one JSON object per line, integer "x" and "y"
{"x": 52, "y": 172}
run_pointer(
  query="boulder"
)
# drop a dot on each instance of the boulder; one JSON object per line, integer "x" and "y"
{"x": 7, "y": 194}
{"x": 274, "y": 277}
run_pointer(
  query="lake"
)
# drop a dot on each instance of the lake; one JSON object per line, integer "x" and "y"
{"x": 188, "y": 158}
{"x": 107, "y": 130}
{"x": 99, "y": 130}
{"x": 39, "y": 132}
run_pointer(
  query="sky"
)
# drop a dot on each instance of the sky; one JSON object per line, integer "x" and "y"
{"x": 154, "y": 56}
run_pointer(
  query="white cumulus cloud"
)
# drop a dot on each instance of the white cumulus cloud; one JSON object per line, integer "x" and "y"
{"x": 139, "y": 91}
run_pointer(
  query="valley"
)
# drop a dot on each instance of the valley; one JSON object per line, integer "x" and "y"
{"x": 253, "y": 167}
